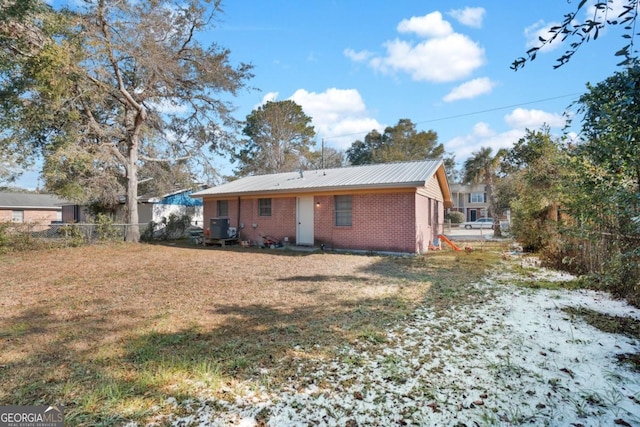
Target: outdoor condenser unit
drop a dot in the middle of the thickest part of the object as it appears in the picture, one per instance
(219, 228)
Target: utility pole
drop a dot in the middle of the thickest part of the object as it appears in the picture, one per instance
(322, 155)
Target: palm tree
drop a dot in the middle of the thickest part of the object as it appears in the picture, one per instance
(482, 166)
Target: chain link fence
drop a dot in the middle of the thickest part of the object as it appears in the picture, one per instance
(23, 236)
(87, 232)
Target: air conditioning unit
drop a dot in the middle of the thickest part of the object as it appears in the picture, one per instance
(219, 228)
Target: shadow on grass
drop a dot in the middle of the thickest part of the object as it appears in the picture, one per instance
(107, 365)
(107, 383)
(60, 362)
(283, 251)
(325, 278)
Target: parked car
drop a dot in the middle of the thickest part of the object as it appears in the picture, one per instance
(478, 223)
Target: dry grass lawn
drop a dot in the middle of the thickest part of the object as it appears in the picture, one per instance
(113, 331)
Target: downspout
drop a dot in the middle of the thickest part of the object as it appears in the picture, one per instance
(238, 223)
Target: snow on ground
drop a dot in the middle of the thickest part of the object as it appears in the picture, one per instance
(512, 358)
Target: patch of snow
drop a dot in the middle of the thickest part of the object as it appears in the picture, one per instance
(513, 358)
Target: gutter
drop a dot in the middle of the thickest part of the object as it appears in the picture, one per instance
(314, 190)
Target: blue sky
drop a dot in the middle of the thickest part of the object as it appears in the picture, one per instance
(357, 65)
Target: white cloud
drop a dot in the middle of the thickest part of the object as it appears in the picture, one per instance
(482, 135)
(442, 59)
(470, 89)
(442, 56)
(431, 25)
(361, 56)
(339, 115)
(469, 16)
(533, 119)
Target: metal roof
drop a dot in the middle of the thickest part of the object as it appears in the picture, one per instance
(386, 175)
(30, 201)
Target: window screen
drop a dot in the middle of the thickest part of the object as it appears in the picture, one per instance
(343, 206)
(264, 207)
(223, 208)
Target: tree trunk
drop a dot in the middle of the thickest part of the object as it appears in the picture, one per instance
(133, 230)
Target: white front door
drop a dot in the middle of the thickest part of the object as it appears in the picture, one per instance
(304, 218)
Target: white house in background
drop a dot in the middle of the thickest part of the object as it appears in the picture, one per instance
(155, 208)
(150, 208)
(471, 200)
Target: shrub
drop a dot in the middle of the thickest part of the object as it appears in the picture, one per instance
(622, 276)
(147, 234)
(18, 237)
(455, 217)
(173, 227)
(105, 228)
(4, 237)
(72, 235)
(176, 226)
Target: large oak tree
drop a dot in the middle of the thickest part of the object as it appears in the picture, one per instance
(117, 83)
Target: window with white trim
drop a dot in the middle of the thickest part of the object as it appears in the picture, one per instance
(17, 216)
(477, 198)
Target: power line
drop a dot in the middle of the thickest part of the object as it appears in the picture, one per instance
(498, 108)
(457, 116)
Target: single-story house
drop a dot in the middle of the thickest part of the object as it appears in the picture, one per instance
(392, 207)
(150, 208)
(38, 210)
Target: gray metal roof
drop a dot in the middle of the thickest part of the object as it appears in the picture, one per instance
(387, 175)
(30, 201)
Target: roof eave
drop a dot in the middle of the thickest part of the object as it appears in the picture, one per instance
(394, 185)
(443, 182)
(32, 207)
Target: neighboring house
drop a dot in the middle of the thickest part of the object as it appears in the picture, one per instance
(38, 210)
(155, 208)
(392, 207)
(150, 208)
(75, 214)
(471, 200)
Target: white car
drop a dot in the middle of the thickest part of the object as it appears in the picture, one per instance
(478, 223)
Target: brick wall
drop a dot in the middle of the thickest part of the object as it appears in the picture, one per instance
(281, 223)
(394, 222)
(41, 218)
(380, 222)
